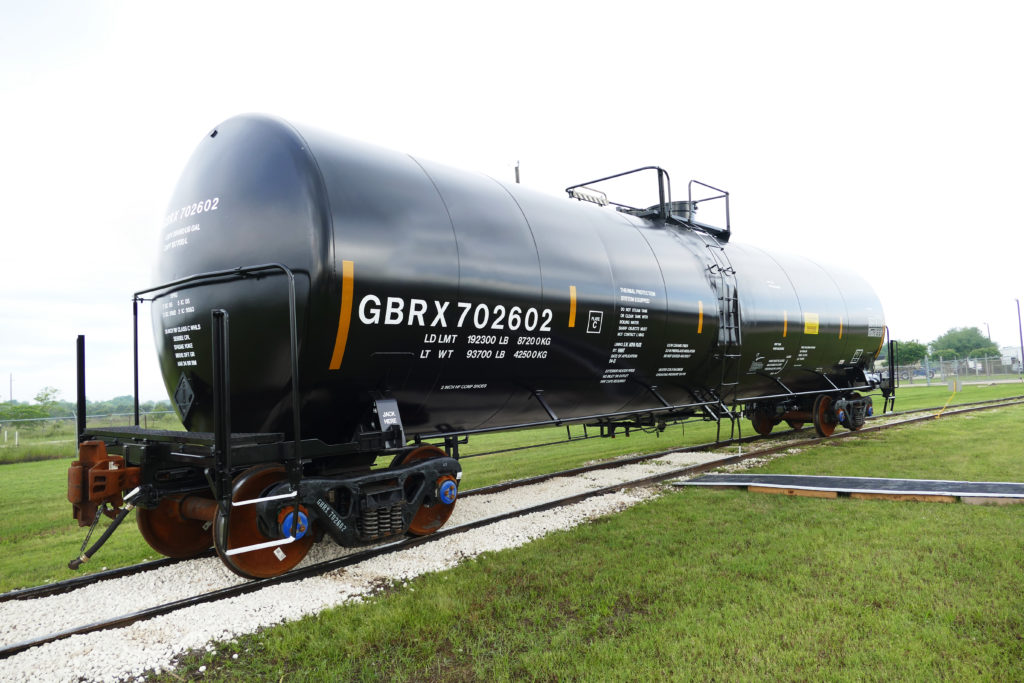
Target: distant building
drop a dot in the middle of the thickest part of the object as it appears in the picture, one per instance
(1011, 357)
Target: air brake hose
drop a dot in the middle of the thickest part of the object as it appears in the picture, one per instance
(79, 561)
(129, 506)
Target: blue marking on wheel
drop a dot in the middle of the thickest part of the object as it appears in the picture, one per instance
(286, 525)
(448, 491)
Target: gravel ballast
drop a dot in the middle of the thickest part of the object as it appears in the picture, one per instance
(125, 653)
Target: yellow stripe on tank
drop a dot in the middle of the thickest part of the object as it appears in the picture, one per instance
(345, 317)
(572, 305)
(700, 317)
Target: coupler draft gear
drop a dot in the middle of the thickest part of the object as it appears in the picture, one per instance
(97, 478)
(95, 483)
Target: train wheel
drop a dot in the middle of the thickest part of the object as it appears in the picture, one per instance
(824, 420)
(432, 516)
(170, 533)
(243, 529)
(795, 424)
(762, 422)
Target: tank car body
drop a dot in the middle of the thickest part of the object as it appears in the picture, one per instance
(464, 298)
(379, 303)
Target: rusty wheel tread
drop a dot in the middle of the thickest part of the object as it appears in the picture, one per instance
(762, 422)
(430, 517)
(824, 422)
(243, 529)
(170, 534)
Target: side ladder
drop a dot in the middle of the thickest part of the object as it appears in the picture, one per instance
(722, 276)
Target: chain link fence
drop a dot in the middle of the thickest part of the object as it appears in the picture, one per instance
(964, 369)
(52, 431)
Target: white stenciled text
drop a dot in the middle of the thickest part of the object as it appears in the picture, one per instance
(394, 310)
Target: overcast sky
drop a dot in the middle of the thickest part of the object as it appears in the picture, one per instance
(885, 136)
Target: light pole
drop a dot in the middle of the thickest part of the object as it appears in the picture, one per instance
(1020, 331)
(988, 330)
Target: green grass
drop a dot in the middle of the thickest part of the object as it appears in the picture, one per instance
(710, 585)
(972, 447)
(38, 535)
(491, 469)
(918, 395)
(55, 439)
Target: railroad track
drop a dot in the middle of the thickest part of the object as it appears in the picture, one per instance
(58, 587)
(788, 436)
(773, 444)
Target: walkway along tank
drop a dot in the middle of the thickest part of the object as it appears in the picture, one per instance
(323, 302)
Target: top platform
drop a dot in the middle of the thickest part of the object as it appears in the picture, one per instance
(170, 436)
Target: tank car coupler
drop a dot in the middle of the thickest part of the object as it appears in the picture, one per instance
(96, 479)
(96, 482)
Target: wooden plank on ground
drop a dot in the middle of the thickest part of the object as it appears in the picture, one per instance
(793, 492)
(921, 498)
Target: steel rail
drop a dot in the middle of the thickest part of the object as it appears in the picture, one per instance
(67, 585)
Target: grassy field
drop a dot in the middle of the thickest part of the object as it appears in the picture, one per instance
(711, 585)
(35, 548)
(55, 439)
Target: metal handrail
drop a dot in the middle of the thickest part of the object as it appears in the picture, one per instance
(239, 273)
(723, 195)
(664, 189)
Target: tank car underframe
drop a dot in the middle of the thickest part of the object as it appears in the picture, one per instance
(174, 484)
(258, 491)
(825, 409)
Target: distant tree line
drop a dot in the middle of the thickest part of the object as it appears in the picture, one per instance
(958, 342)
(47, 403)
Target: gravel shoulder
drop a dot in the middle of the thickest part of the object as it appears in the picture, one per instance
(122, 654)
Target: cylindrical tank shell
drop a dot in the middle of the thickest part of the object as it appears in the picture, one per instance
(475, 303)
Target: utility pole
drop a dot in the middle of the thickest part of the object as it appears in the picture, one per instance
(989, 331)
(1020, 331)
(517, 173)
